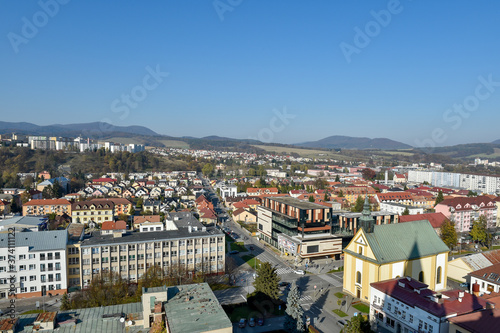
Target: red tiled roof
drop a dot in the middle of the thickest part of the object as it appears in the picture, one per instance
(103, 180)
(484, 273)
(479, 321)
(463, 201)
(450, 304)
(147, 218)
(436, 219)
(394, 196)
(116, 201)
(110, 225)
(38, 202)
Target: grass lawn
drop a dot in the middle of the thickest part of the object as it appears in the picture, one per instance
(340, 269)
(362, 307)
(229, 239)
(221, 286)
(339, 294)
(340, 313)
(251, 260)
(238, 247)
(32, 311)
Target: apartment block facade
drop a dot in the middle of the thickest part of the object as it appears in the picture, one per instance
(47, 206)
(37, 260)
(187, 250)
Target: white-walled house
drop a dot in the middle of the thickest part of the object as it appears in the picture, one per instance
(407, 305)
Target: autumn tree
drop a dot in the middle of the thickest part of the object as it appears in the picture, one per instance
(479, 231)
(449, 234)
(358, 324)
(368, 174)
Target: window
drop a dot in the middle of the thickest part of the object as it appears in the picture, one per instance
(438, 277)
(86, 251)
(360, 250)
(358, 277)
(57, 255)
(22, 256)
(123, 258)
(42, 256)
(95, 250)
(32, 267)
(22, 267)
(49, 256)
(42, 267)
(421, 276)
(86, 261)
(58, 266)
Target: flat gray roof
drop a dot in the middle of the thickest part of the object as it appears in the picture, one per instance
(38, 241)
(302, 204)
(137, 237)
(201, 313)
(90, 320)
(26, 220)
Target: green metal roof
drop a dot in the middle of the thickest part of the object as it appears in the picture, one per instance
(404, 241)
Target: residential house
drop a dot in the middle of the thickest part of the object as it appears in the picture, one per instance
(460, 268)
(487, 279)
(111, 227)
(148, 223)
(151, 205)
(244, 216)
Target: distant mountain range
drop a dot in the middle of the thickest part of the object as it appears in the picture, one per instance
(348, 142)
(72, 129)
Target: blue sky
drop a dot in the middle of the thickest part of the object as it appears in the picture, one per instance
(233, 65)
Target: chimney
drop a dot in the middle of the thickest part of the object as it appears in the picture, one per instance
(490, 306)
(475, 289)
(461, 294)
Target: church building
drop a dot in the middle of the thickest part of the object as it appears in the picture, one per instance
(382, 252)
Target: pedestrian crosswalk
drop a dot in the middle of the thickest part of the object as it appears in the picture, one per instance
(305, 299)
(284, 270)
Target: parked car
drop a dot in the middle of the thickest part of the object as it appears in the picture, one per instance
(251, 248)
(284, 284)
(260, 321)
(341, 323)
(242, 323)
(234, 252)
(464, 285)
(251, 322)
(300, 272)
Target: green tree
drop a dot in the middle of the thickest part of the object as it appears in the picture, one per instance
(251, 172)
(358, 206)
(439, 198)
(65, 302)
(471, 194)
(479, 231)
(341, 194)
(325, 198)
(449, 234)
(207, 169)
(337, 178)
(294, 314)
(267, 281)
(358, 324)
(406, 212)
(311, 198)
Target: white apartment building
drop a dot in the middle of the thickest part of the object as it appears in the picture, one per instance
(407, 305)
(39, 263)
(477, 183)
